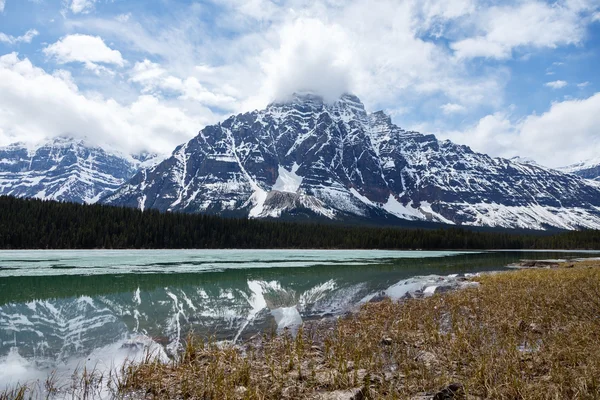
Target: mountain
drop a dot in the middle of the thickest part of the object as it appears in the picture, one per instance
(525, 160)
(308, 158)
(66, 169)
(589, 169)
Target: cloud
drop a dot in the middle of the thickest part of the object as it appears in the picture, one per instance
(556, 84)
(148, 74)
(311, 56)
(81, 6)
(155, 79)
(536, 24)
(35, 105)
(453, 108)
(26, 38)
(583, 84)
(565, 134)
(89, 50)
(314, 46)
(2, 4)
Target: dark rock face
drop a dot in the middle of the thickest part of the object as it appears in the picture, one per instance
(64, 169)
(338, 161)
(453, 391)
(592, 172)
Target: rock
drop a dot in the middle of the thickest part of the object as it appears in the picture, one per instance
(537, 264)
(531, 327)
(452, 391)
(240, 391)
(421, 396)
(388, 341)
(351, 394)
(162, 340)
(445, 288)
(535, 328)
(378, 298)
(426, 357)
(361, 373)
(323, 377)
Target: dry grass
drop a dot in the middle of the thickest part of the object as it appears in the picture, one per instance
(526, 334)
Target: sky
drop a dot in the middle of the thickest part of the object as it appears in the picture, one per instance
(512, 78)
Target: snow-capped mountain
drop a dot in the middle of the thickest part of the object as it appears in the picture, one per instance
(66, 169)
(525, 160)
(336, 160)
(589, 169)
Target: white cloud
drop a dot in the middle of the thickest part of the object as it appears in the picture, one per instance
(148, 74)
(453, 108)
(307, 45)
(533, 24)
(2, 4)
(556, 84)
(123, 17)
(26, 38)
(582, 84)
(89, 50)
(565, 134)
(155, 79)
(311, 57)
(81, 6)
(35, 105)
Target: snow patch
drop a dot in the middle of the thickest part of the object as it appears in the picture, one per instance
(288, 181)
(396, 208)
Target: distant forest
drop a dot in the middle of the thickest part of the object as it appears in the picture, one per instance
(37, 224)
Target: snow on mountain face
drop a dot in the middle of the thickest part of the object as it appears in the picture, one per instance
(307, 157)
(525, 160)
(65, 169)
(589, 169)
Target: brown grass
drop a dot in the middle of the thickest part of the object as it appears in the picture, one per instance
(526, 334)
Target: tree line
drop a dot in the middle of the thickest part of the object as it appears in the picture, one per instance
(38, 224)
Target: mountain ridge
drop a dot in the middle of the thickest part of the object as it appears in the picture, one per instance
(66, 169)
(588, 169)
(338, 161)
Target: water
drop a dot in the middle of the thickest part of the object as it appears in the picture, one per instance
(64, 309)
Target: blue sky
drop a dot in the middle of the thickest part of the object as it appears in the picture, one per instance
(516, 78)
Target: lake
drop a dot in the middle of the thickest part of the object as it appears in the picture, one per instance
(60, 310)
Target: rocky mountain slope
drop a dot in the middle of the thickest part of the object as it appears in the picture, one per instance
(589, 169)
(65, 169)
(307, 157)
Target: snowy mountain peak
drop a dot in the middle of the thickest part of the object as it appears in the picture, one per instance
(525, 161)
(588, 169)
(347, 107)
(380, 118)
(65, 169)
(306, 157)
